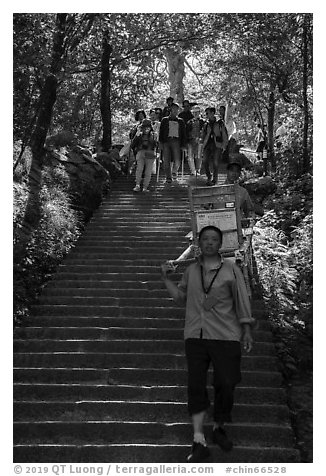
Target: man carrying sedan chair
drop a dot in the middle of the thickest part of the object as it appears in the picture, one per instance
(218, 317)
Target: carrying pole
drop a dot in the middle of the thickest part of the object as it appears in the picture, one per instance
(182, 162)
(158, 159)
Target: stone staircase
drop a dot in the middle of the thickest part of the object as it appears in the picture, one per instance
(99, 371)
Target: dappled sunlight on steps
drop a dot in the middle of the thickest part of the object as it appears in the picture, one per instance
(100, 370)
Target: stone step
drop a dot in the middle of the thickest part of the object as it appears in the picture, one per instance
(165, 412)
(141, 241)
(141, 219)
(150, 302)
(176, 236)
(117, 290)
(95, 344)
(77, 322)
(169, 393)
(125, 346)
(111, 311)
(104, 284)
(135, 249)
(82, 355)
(112, 284)
(107, 301)
(99, 328)
(130, 243)
(106, 292)
(127, 209)
(148, 453)
(122, 277)
(143, 227)
(100, 371)
(134, 333)
(120, 432)
(104, 268)
(130, 376)
(158, 258)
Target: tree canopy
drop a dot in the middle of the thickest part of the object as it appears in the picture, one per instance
(109, 65)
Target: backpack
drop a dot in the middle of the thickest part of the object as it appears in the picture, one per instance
(147, 140)
(144, 141)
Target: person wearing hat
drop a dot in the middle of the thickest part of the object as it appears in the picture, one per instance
(194, 129)
(233, 173)
(218, 319)
(167, 109)
(144, 143)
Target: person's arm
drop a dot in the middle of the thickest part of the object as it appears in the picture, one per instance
(175, 292)
(243, 307)
(247, 338)
(225, 138)
(182, 132)
(203, 132)
(132, 132)
(248, 206)
(135, 141)
(188, 130)
(161, 137)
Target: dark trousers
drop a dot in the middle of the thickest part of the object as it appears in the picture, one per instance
(225, 357)
(171, 153)
(212, 155)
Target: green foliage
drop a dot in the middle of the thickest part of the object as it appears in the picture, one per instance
(291, 202)
(302, 252)
(277, 272)
(58, 230)
(88, 197)
(285, 268)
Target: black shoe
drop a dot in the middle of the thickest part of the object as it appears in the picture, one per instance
(168, 180)
(220, 438)
(214, 182)
(209, 183)
(198, 453)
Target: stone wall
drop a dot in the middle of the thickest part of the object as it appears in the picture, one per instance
(89, 180)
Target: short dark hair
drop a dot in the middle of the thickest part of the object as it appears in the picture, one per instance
(140, 111)
(210, 109)
(211, 227)
(174, 104)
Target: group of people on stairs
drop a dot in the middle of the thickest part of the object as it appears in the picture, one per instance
(173, 133)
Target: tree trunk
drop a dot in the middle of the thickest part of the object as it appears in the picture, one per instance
(270, 126)
(176, 68)
(105, 100)
(305, 154)
(47, 100)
